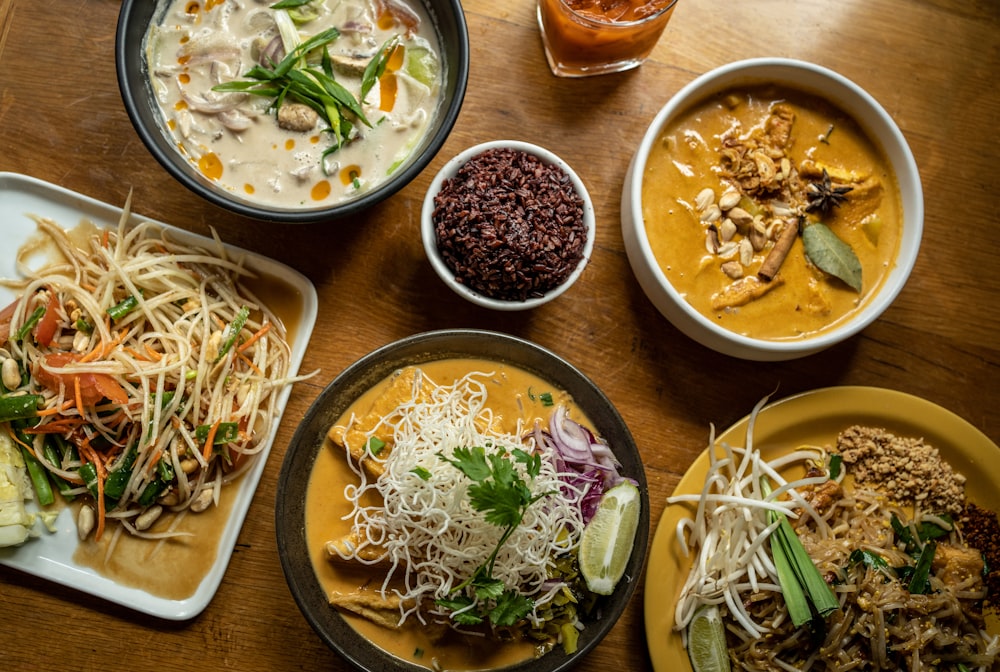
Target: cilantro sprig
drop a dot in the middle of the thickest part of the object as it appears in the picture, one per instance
(502, 495)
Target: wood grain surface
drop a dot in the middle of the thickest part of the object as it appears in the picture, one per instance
(931, 63)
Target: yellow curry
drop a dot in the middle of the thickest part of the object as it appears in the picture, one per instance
(771, 211)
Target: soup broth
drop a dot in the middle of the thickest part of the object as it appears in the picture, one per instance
(274, 148)
(515, 396)
(734, 171)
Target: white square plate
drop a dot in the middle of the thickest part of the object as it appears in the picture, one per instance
(50, 556)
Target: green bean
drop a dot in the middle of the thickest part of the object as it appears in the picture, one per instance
(52, 454)
(19, 406)
(39, 478)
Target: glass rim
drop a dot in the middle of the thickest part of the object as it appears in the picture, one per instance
(616, 24)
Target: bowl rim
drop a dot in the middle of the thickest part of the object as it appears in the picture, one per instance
(881, 128)
(352, 381)
(128, 66)
(448, 170)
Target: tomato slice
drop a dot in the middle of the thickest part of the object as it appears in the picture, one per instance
(93, 386)
(6, 315)
(45, 330)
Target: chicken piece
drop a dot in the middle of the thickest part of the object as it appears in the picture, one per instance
(955, 565)
(352, 545)
(743, 291)
(380, 610)
(355, 437)
(297, 117)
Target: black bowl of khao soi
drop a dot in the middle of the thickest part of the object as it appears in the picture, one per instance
(293, 110)
(462, 500)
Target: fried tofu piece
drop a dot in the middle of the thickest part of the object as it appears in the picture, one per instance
(955, 565)
(373, 606)
(355, 436)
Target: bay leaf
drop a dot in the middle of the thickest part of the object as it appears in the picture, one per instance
(832, 255)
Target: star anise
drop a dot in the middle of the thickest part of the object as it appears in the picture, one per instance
(824, 197)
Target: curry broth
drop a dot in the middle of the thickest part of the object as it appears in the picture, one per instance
(806, 302)
(513, 395)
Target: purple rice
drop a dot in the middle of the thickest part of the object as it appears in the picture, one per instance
(510, 225)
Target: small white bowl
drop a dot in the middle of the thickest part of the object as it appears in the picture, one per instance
(430, 238)
(873, 119)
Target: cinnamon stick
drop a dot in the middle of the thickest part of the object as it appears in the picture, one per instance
(776, 257)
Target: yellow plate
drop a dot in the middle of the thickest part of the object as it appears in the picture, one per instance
(812, 418)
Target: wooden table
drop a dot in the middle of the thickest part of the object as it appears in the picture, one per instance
(931, 63)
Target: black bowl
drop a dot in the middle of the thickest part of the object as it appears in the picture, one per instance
(134, 21)
(362, 375)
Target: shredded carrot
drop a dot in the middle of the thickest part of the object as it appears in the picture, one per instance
(206, 452)
(13, 437)
(239, 353)
(79, 396)
(87, 450)
(156, 458)
(105, 238)
(266, 327)
(135, 353)
(156, 356)
(56, 426)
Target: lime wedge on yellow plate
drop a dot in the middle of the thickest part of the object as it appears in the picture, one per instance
(706, 644)
(607, 541)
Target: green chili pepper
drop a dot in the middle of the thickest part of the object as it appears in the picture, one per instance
(19, 406)
(84, 326)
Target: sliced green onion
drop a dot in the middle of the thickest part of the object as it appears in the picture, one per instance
(30, 323)
(233, 331)
(375, 445)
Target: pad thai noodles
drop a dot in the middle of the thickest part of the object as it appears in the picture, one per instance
(140, 374)
(907, 591)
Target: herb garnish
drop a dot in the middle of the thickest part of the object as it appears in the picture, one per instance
(499, 492)
(294, 78)
(831, 255)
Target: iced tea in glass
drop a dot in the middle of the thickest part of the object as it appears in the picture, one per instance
(594, 37)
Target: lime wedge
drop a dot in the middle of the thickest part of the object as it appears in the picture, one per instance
(606, 543)
(706, 641)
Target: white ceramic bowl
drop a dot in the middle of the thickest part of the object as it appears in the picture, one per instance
(430, 238)
(873, 119)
